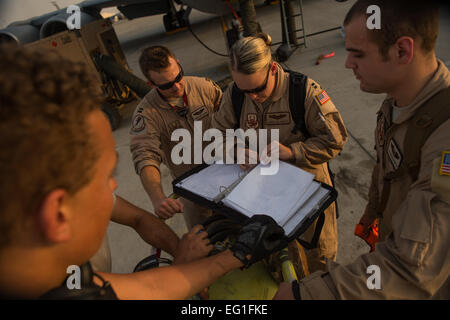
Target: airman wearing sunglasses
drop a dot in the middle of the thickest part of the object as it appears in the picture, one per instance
(266, 106)
(175, 103)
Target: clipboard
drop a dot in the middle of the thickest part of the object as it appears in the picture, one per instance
(218, 205)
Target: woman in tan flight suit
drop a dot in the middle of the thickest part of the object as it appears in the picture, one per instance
(266, 106)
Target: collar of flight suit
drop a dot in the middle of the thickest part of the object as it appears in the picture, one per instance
(439, 81)
(154, 98)
(281, 85)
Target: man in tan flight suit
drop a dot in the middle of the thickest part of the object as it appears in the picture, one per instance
(269, 109)
(410, 189)
(175, 103)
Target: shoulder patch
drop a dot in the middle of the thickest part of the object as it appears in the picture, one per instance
(440, 184)
(444, 168)
(322, 97)
(137, 124)
(322, 101)
(252, 121)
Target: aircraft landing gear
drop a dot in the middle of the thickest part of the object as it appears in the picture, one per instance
(174, 19)
(172, 22)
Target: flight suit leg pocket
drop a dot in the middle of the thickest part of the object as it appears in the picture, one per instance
(414, 222)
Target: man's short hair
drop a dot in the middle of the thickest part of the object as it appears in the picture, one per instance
(417, 19)
(154, 58)
(45, 141)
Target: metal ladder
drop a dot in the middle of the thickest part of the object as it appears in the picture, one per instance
(293, 28)
(289, 18)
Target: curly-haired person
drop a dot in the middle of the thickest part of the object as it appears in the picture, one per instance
(57, 158)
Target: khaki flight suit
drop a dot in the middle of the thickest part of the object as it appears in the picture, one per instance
(152, 126)
(328, 136)
(413, 254)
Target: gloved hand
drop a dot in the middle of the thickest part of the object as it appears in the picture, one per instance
(259, 237)
(221, 232)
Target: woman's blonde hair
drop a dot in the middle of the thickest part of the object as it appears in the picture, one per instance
(251, 54)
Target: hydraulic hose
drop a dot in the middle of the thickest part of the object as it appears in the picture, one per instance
(113, 69)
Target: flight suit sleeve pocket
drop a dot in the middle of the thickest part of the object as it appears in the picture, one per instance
(414, 222)
(327, 108)
(440, 184)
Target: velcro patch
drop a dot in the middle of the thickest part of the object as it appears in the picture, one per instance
(200, 113)
(394, 154)
(440, 184)
(138, 124)
(444, 168)
(322, 97)
(252, 121)
(277, 118)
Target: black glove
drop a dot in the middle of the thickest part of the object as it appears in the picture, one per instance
(221, 232)
(259, 237)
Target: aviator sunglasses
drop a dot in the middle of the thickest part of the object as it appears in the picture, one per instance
(168, 85)
(261, 87)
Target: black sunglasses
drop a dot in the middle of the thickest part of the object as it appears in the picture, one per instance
(168, 85)
(262, 87)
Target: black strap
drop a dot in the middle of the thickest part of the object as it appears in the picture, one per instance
(297, 95)
(316, 235)
(296, 290)
(332, 177)
(88, 291)
(318, 231)
(237, 99)
(430, 116)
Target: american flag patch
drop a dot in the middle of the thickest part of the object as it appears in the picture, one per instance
(322, 97)
(445, 163)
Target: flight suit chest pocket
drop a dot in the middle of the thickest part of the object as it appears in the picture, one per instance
(277, 118)
(169, 139)
(174, 125)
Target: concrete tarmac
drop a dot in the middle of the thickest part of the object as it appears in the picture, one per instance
(353, 167)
